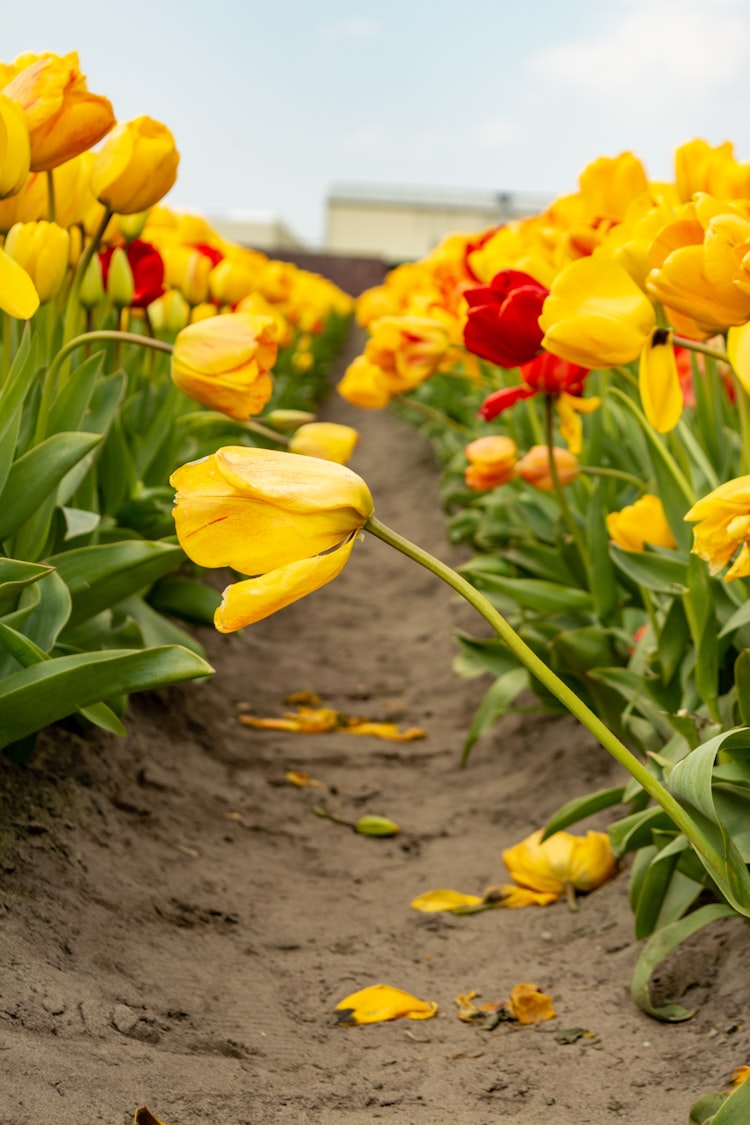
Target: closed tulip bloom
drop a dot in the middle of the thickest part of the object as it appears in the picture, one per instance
(492, 460)
(224, 362)
(64, 118)
(188, 269)
(534, 467)
(659, 382)
(18, 296)
(15, 150)
(43, 250)
(503, 318)
(289, 520)
(596, 315)
(328, 440)
(146, 268)
(722, 528)
(135, 167)
(231, 280)
(640, 523)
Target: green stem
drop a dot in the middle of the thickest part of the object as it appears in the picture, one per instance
(72, 310)
(616, 474)
(696, 346)
(567, 515)
(51, 210)
(539, 670)
(51, 379)
(434, 415)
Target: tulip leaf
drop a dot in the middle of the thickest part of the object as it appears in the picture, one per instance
(735, 1110)
(704, 1110)
(480, 655)
(660, 573)
(635, 831)
(659, 946)
(33, 478)
(12, 399)
(603, 578)
(187, 599)
(70, 405)
(102, 575)
(43, 693)
(495, 703)
(581, 807)
(15, 575)
(105, 400)
(535, 594)
(742, 683)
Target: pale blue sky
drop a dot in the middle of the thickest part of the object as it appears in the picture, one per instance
(271, 103)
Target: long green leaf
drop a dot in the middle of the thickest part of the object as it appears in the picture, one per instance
(34, 697)
(736, 1109)
(15, 574)
(581, 807)
(659, 946)
(660, 573)
(33, 478)
(495, 703)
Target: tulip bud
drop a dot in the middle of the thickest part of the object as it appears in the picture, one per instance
(135, 167)
(169, 313)
(534, 468)
(132, 226)
(288, 419)
(327, 440)
(120, 284)
(376, 826)
(92, 286)
(43, 249)
(224, 362)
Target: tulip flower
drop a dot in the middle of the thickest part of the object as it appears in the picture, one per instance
(534, 467)
(659, 382)
(640, 523)
(562, 860)
(407, 348)
(365, 385)
(135, 167)
(596, 315)
(147, 269)
(43, 250)
(18, 296)
(329, 440)
(722, 520)
(503, 318)
(224, 362)
(15, 150)
(64, 119)
(288, 519)
(492, 460)
(546, 374)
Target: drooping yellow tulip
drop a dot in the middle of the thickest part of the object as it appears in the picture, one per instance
(289, 519)
(596, 315)
(64, 118)
(562, 860)
(640, 523)
(224, 362)
(659, 382)
(381, 1002)
(329, 440)
(722, 528)
(136, 166)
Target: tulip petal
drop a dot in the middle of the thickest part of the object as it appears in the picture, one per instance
(528, 1005)
(18, 297)
(434, 902)
(381, 1002)
(659, 382)
(244, 603)
(738, 350)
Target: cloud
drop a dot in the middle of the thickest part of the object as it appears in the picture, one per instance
(368, 138)
(493, 134)
(655, 53)
(358, 27)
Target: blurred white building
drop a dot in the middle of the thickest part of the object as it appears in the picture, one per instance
(261, 230)
(402, 224)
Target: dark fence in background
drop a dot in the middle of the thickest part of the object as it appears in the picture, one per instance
(353, 275)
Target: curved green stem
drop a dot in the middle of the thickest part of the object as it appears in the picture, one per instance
(615, 474)
(567, 515)
(434, 415)
(51, 379)
(696, 346)
(528, 658)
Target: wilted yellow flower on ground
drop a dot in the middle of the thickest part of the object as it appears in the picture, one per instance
(528, 1005)
(640, 523)
(492, 460)
(722, 520)
(381, 1002)
(582, 862)
(596, 315)
(320, 720)
(64, 119)
(224, 362)
(288, 519)
(136, 166)
(534, 467)
(329, 440)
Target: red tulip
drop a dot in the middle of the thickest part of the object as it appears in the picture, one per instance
(147, 267)
(547, 374)
(503, 319)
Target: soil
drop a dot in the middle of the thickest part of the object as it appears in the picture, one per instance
(177, 926)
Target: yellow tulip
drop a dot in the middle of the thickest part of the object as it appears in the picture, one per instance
(659, 382)
(701, 167)
(582, 862)
(381, 1002)
(64, 119)
(738, 350)
(365, 385)
(187, 269)
(610, 184)
(329, 440)
(15, 149)
(43, 250)
(722, 520)
(288, 519)
(596, 315)
(640, 523)
(136, 166)
(18, 296)
(224, 362)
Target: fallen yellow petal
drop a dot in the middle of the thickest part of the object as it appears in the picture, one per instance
(387, 731)
(302, 780)
(381, 1002)
(528, 1005)
(512, 897)
(144, 1116)
(314, 720)
(432, 902)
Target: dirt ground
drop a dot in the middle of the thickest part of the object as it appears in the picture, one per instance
(177, 927)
